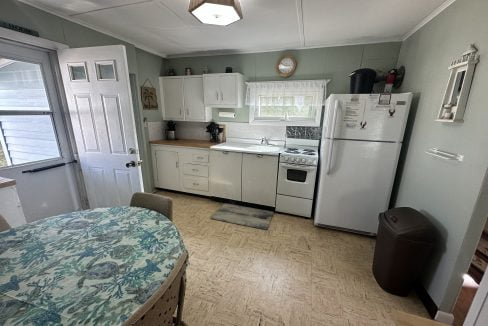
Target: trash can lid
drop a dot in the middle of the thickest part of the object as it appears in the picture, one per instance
(408, 223)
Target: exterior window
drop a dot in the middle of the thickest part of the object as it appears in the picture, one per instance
(27, 131)
(290, 102)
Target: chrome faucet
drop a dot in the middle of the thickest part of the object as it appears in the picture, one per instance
(265, 141)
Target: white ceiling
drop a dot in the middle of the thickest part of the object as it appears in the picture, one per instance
(165, 27)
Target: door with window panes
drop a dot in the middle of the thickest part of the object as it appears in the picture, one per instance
(34, 146)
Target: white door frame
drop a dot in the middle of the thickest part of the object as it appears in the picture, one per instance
(52, 47)
(478, 312)
(61, 123)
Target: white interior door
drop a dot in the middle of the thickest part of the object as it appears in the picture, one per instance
(355, 183)
(96, 81)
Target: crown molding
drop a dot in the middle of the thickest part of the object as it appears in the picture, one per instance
(97, 29)
(320, 46)
(427, 19)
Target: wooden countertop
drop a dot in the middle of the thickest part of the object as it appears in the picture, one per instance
(184, 143)
(404, 319)
(4, 182)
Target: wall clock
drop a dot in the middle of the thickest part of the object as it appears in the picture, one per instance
(286, 66)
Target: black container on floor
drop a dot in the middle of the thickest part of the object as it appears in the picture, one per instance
(404, 243)
(362, 81)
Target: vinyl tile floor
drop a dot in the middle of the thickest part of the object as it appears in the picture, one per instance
(292, 274)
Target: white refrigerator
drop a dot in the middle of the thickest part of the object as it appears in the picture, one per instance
(361, 140)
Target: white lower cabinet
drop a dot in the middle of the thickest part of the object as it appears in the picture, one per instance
(259, 175)
(250, 178)
(166, 169)
(181, 169)
(11, 208)
(225, 174)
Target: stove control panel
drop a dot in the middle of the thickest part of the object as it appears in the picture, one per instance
(299, 160)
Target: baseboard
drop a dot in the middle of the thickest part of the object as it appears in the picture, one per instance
(444, 317)
(429, 304)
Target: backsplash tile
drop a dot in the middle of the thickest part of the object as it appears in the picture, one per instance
(301, 132)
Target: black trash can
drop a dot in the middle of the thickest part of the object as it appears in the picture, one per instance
(404, 243)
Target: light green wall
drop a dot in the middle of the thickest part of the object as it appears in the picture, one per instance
(447, 192)
(334, 63)
(149, 68)
(54, 28)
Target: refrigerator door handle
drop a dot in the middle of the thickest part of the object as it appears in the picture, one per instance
(335, 113)
(330, 149)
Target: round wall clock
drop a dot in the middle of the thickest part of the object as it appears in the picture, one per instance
(286, 66)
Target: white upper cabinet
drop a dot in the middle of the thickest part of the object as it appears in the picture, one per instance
(193, 99)
(183, 99)
(223, 90)
(172, 92)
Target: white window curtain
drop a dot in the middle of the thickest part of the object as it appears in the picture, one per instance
(297, 102)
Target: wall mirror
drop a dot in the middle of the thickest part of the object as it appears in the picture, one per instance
(457, 90)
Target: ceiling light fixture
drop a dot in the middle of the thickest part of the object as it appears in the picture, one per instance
(216, 12)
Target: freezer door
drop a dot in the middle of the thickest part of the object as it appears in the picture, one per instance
(385, 120)
(343, 115)
(355, 183)
(364, 117)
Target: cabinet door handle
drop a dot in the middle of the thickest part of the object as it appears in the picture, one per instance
(217, 95)
(194, 170)
(259, 155)
(177, 165)
(196, 184)
(225, 152)
(221, 95)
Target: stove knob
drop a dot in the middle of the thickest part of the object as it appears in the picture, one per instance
(292, 159)
(304, 160)
(285, 158)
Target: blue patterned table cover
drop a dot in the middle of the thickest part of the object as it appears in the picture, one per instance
(84, 268)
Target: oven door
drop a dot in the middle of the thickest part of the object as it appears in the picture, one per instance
(296, 180)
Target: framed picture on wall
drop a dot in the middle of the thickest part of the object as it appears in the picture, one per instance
(149, 97)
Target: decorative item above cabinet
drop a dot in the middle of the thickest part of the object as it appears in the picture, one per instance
(223, 90)
(183, 99)
(457, 91)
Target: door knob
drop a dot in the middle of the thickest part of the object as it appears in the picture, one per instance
(133, 164)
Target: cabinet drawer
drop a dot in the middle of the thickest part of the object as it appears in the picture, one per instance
(196, 170)
(195, 183)
(200, 158)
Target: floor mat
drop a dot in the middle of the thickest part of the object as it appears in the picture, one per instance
(247, 216)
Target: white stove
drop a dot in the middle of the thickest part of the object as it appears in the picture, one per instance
(296, 178)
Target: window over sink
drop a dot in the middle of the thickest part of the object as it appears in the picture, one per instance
(298, 102)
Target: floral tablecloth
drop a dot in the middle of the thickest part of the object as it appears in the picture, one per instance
(84, 268)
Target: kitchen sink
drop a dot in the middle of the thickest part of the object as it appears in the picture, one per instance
(248, 148)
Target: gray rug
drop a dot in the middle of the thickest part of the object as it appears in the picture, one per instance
(247, 216)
